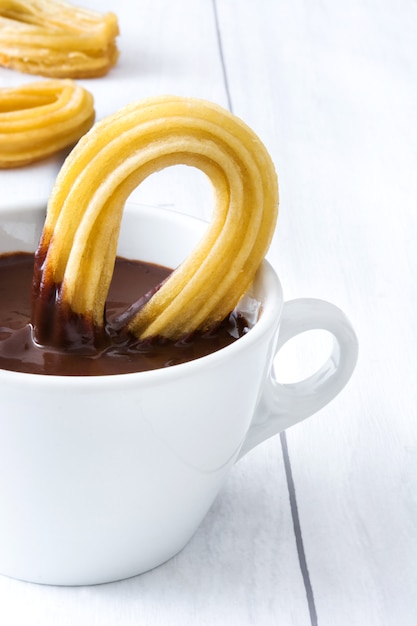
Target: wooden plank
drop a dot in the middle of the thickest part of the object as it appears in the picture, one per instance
(331, 89)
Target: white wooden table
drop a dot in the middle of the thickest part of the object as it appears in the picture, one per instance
(317, 526)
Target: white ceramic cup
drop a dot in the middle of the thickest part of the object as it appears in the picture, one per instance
(102, 478)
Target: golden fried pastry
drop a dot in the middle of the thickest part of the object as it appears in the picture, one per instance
(78, 246)
(40, 118)
(56, 39)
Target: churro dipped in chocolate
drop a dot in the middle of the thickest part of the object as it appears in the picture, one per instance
(57, 39)
(76, 254)
(41, 118)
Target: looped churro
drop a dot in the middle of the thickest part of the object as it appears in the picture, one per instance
(78, 246)
(41, 118)
(56, 39)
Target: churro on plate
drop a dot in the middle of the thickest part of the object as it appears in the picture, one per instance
(41, 118)
(57, 39)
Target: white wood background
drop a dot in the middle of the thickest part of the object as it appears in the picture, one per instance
(317, 526)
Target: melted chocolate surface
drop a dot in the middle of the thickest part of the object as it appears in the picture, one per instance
(120, 353)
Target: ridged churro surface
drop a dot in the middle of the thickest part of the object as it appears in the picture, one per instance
(41, 118)
(78, 246)
(57, 39)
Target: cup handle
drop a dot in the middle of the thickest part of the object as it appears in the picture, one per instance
(283, 405)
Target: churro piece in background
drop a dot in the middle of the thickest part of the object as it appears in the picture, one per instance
(41, 118)
(57, 39)
(76, 254)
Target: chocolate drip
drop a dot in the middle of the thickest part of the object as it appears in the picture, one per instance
(53, 322)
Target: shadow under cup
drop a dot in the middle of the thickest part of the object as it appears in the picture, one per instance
(102, 478)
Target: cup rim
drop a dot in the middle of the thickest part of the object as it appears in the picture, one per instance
(269, 318)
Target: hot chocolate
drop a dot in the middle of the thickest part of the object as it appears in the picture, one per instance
(118, 353)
